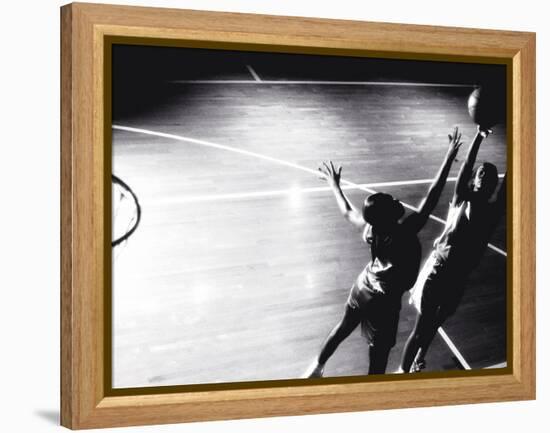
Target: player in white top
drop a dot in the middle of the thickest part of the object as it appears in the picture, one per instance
(457, 251)
(375, 298)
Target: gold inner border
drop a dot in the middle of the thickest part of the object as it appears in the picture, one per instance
(109, 41)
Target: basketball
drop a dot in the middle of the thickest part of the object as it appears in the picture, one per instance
(487, 106)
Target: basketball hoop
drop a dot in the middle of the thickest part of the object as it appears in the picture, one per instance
(126, 211)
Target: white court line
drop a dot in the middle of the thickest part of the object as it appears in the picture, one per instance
(272, 193)
(239, 195)
(453, 348)
(254, 74)
(321, 83)
(216, 146)
(279, 192)
(346, 184)
(499, 365)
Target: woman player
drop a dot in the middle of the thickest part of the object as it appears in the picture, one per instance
(375, 297)
(457, 251)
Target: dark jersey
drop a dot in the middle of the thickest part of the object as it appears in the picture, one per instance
(395, 259)
(466, 234)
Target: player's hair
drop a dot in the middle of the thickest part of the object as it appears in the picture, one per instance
(382, 208)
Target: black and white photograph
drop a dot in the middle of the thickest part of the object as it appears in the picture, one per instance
(295, 216)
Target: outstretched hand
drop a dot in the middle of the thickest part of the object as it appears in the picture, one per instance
(454, 142)
(330, 174)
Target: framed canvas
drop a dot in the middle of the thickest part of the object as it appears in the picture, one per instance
(207, 160)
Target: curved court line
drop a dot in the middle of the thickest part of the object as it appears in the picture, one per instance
(348, 184)
(215, 146)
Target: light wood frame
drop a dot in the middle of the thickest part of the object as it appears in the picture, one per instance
(85, 402)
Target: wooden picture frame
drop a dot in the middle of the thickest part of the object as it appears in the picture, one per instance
(87, 30)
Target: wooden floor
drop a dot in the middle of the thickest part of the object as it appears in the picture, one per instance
(240, 267)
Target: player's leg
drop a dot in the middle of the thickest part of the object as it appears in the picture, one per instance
(378, 358)
(380, 329)
(448, 306)
(427, 323)
(420, 338)
(447, 309)
(424, 342)
(346, 325)
(340, 332)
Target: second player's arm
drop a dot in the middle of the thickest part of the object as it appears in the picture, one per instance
(465, 173)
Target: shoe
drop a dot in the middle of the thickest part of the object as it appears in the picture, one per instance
(314, 370)
(418, 365)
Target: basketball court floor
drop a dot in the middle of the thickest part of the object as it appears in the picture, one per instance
(242, 263)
